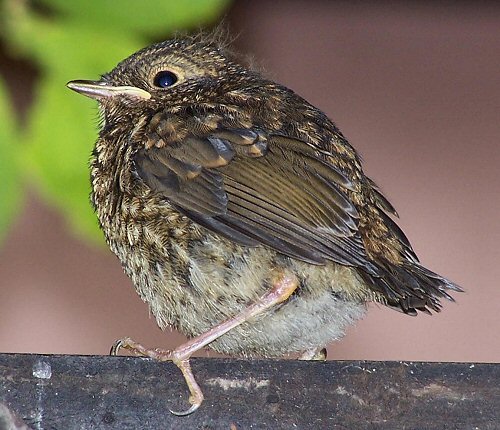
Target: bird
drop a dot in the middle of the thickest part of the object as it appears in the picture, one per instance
(240, 212)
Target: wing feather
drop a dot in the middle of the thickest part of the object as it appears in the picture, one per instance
(259, 188)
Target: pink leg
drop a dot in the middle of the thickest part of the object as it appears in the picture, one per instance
(283, 287)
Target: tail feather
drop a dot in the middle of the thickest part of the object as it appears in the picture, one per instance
(410, 287)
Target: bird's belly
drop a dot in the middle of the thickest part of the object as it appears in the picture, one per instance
(193, 289)
(299, 325)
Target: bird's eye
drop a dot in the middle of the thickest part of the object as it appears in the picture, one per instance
(165, 79)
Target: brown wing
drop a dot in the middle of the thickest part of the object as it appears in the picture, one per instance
(255, 188)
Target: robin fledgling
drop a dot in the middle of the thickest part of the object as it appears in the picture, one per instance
(240, 211)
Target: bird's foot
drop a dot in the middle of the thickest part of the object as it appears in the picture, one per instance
(179, 356)
(314, 354)
(284, 284)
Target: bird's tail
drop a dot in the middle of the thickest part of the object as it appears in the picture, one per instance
(410, 287)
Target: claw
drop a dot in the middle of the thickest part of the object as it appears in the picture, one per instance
(187, 412)
(196, 395)
(314, 354)
(179, 357)
(115, 348)
(284, 284)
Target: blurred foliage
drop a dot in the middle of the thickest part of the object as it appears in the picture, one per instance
(69, 39)
(9, 165)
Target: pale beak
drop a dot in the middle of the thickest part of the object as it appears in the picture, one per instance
(101, 90)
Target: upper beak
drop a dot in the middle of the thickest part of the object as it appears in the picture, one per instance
(101, 90)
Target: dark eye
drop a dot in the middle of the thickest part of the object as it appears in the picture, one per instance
(165, 79)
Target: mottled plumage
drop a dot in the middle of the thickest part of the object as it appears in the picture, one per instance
(209, 179)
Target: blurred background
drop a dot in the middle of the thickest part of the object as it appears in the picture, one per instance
(414, 86)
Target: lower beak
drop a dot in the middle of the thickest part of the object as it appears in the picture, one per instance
(101, 90)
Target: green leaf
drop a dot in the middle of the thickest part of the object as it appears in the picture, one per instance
(80, 40)
(59, 47)
(62, 131)
(11, 189)
(63, 125)
(147, 17)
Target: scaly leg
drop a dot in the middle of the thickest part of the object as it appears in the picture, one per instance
(284, 285)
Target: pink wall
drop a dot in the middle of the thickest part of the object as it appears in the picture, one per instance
(416, 89)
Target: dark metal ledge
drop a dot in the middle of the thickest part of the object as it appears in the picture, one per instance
(52, 392)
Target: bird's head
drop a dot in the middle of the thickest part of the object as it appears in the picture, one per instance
(172, 73)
